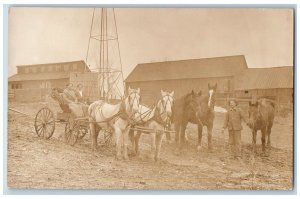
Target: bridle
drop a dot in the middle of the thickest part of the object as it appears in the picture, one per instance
(133, 99)
(162, 110)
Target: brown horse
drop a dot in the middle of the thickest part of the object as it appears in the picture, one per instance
(261, 117)
(185, 111)
(196, 109)
(206, 115)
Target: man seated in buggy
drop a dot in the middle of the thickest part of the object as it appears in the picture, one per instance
(68, 100)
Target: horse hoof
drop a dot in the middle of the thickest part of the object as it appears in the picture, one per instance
(118, 157)
(133, 153)
(126, 158)
(94, 149)
(199, 148)
(177, 152)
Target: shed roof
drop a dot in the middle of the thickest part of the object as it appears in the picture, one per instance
(264, 78)
(188, 69)
(38, 76)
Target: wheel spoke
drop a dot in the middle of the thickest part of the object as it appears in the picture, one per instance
(48, 114)
(43, 113)
(39, 120)
(49, 122)
(43, 132)
(39, 130)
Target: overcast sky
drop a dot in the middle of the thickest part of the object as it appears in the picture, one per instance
(46, 35)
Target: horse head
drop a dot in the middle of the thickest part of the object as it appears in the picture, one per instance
(165, 104)
(133, 100)
(212, 96)
(192, 102)
(254, 114)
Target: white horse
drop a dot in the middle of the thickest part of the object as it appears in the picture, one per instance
(103, 115)
(157, 119)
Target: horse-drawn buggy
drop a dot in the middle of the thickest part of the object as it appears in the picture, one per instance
(73, 116)
(127, 119)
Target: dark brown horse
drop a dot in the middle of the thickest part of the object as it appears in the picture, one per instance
(206, 115)
(261, 117)
(196, 109)
(184, 111)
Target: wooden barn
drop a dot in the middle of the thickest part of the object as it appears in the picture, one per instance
(33, 82)
(274, 83)
(185, 75)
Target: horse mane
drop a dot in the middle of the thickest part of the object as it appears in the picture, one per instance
(265, 101)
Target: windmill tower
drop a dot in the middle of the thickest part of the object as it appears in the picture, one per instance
(103, 54)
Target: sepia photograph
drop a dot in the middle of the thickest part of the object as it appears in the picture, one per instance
(112, 98)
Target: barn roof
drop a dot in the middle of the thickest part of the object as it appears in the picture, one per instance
(55, 63)
(187, 69)
(264, 78)
(38, 76)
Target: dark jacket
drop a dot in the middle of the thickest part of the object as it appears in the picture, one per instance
(233, 119)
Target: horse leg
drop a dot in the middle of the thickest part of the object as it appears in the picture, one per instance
(168, 135)
(132, 140)
(254, 134)
(200, 128)
(177, 133)
(125, 138)
(158, 139)
(118, 133)
(177, 138)
(182, 140)
(209, 137)
(153, 145)
(93, 136)
(263, 140)
(136, 141)
(269, 136)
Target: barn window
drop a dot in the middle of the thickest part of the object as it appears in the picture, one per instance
(74, 67)
(58, 67)
(49, 69)
(26, 70)
(48, 84)
(246, 92)
(12, 86)
(66, 67)
(33, 69)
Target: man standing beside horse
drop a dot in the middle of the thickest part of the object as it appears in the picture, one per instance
(233, 121)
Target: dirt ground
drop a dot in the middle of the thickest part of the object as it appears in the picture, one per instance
(37, 163)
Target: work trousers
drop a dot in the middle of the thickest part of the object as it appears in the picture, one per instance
(235, 143)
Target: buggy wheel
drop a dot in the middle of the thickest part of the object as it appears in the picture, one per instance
(72, 129)
(44, 123)
(108, 137)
